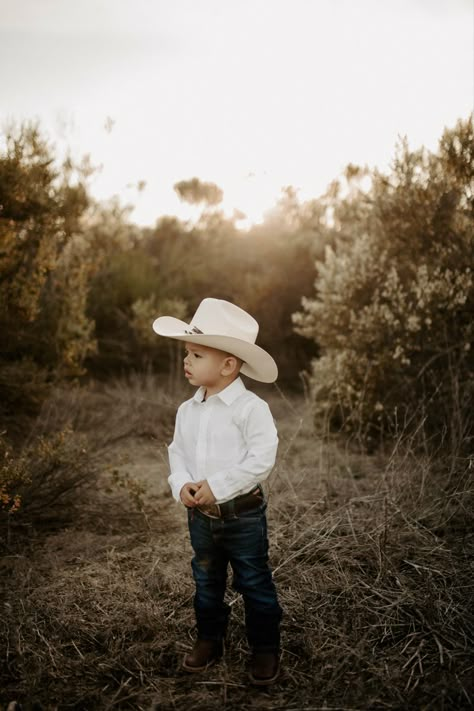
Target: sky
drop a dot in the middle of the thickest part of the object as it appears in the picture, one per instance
(253, 95)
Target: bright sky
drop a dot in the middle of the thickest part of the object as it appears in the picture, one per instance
(251, 94)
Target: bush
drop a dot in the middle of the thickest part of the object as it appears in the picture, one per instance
(42, 486)
(393, 306)
(43, 266)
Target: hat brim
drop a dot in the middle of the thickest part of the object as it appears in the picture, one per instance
(258, 364)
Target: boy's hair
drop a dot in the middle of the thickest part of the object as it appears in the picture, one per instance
(226, 354)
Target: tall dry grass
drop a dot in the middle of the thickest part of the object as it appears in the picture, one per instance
(372, 556)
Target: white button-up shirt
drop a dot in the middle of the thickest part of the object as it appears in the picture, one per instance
(230, 439)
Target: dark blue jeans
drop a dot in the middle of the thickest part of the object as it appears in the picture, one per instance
(241, 541)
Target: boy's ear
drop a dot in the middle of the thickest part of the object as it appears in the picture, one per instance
(231, 365)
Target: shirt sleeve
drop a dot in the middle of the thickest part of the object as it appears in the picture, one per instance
(176, 454)
(261, 441)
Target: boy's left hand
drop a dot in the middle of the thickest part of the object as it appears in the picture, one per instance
(204, 494)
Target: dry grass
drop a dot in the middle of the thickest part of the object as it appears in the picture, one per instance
(137, 405)
(372, 557)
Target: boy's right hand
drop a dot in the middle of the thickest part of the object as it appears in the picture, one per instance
(187, 494)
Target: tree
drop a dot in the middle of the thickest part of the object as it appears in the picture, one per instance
(196, 192)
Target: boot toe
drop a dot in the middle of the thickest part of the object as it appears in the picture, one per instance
(204, 653)
(264, 668)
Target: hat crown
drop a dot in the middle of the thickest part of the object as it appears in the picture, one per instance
(219, 317)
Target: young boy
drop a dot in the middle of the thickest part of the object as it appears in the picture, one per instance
(224, 446)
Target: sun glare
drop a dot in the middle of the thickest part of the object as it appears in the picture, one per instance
(153, 101)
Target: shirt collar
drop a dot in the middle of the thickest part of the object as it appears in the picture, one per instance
(227, 395)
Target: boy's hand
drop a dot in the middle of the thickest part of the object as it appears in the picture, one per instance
(203, 494)
(187, 493)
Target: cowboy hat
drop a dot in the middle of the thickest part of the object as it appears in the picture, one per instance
(225, 326)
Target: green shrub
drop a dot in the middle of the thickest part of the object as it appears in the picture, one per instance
(43, 266)
(394, 301)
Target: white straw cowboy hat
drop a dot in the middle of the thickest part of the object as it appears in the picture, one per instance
(220, 324)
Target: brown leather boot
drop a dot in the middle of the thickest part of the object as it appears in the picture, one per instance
(264, 668)
(204, 653)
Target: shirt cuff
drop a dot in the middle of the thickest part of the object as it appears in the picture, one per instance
(176, 482)
(223, 486)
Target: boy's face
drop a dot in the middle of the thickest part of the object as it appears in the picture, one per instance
(204, 365)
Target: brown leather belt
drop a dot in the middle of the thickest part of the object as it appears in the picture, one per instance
(236, 506)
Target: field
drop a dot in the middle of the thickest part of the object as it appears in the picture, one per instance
(372, 557)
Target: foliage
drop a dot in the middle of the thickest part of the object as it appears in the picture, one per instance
(81, 284)
(195, 191)
(125, 278)
(43, 266)
(24, 386)
(395, 296)
(170, 268)
(12, 476)
(164, 354)
(41, 485)
(264, 270)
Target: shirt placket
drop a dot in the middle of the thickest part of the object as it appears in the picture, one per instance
(202, 440)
